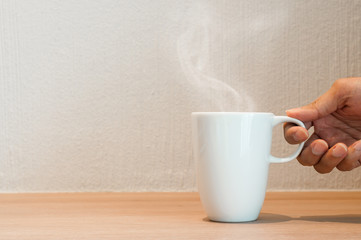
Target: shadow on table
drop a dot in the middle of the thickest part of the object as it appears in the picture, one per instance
(265, 218)
(346, 218)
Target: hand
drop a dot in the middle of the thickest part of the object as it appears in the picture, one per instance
(336, 118)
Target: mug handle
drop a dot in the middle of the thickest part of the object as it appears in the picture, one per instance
(281, 119)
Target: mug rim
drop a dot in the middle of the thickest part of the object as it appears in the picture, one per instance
(232, 113)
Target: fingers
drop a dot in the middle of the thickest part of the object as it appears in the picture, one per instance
(324, 160)
(352, 160)
(294, 134)
(331, 158)
(313, 151)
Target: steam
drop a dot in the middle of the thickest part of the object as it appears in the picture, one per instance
(194, 52)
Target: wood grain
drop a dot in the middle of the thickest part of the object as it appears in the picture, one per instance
(285, 215)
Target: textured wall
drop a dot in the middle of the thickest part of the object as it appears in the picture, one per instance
(97, 95)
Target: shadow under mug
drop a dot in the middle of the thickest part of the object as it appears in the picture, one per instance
(232, 151)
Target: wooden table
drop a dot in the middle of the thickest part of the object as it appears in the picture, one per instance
(286, 215)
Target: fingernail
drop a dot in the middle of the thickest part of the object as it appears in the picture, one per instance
(300, 135)
(357, 147)
(319, 148)
(296, 137)
(339, 150)
(291, 110)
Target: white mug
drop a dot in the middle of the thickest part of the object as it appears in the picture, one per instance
(232, 151)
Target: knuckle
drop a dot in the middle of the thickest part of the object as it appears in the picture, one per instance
(340, 82)
(340, 87)
(315, 105)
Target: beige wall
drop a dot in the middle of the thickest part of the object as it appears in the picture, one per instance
(97, 95)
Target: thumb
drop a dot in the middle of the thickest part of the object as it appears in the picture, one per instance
(321, 107)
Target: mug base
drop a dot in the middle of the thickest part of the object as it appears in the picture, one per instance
(242, 220)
